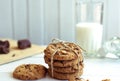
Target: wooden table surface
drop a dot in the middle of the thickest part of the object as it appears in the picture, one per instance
(15, 53)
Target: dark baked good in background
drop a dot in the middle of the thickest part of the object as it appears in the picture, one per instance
(23, 44)
(4, 50)
(4, 47)
(30, 72)
(5, 43)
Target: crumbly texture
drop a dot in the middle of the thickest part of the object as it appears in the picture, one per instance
(64, 51)
(64, 76)
(30, 72)
(71, 69)
(63, 63)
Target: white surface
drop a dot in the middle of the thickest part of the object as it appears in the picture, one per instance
(95, 69)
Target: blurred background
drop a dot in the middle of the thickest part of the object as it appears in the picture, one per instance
(42, 20)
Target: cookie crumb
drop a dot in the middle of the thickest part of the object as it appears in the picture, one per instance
(13, 55)
(106, 80)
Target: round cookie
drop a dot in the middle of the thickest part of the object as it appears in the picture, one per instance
(64, 76)
(30, 72)
(63, 51)
(63, 63)
(71, 69)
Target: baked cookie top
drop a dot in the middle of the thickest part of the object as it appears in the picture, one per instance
(63, 51)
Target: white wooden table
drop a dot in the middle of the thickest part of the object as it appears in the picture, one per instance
(95, 69)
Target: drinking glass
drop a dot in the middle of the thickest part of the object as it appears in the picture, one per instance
(89, 27)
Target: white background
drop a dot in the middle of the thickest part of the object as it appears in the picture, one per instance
(42, 20)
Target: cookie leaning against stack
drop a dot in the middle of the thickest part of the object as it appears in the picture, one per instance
(64, 59)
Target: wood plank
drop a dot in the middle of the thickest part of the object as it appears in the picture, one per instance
(105, 21)
(20, 19)
(16, 54)
(5, 19)
(112, 19)
(36, 28)
(51, 21)
(67, 20)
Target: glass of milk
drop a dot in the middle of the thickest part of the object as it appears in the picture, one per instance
(89, 37)
(89, 27)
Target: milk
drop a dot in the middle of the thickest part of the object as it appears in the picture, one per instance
(89, 36)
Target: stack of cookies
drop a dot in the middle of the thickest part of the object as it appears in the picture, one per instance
(64, 59)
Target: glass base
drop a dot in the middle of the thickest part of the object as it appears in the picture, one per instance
(90, 55)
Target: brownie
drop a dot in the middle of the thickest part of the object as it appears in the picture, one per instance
(4, 50)
(4, 47)
(5, 43)
(24, 43)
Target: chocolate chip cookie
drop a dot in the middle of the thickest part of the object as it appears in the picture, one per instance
(64, 59)
(63, 51)
(30, 72)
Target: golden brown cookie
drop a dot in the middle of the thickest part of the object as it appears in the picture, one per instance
(106, 80)
(64, 76)
(63, 63)
(71, 69)
(63, 51)
(64, 59)
(76, 79)
(30, 72)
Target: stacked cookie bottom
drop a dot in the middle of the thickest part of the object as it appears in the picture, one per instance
(64, 69)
